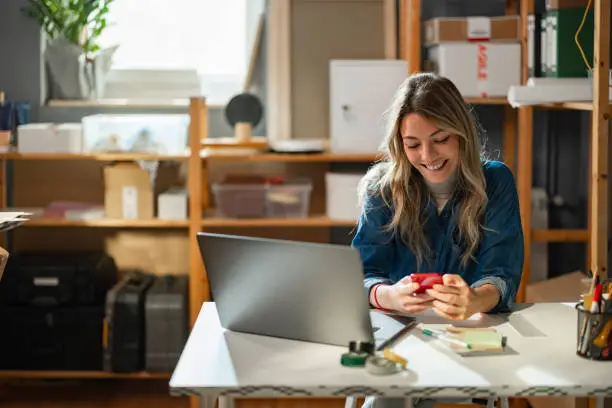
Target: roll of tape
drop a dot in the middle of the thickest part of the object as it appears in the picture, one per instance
(353, 359)
(379, 365)
(396, 358)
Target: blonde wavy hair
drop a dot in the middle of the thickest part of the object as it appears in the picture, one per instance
(402, 187)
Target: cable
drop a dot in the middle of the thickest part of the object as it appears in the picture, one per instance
(586, 13)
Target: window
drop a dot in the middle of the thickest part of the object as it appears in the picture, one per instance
(180, 48)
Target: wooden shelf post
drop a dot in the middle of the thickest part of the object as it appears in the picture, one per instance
(410, 34)
(198, 283)
(525, 156)
(598, 214)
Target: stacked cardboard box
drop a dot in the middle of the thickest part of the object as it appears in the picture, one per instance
(481, 55)
(128, 192)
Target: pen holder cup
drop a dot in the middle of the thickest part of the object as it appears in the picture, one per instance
(594, 337)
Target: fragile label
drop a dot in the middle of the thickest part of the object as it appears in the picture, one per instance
(482, 70)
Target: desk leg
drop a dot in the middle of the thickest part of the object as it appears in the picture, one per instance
(599, 402)
(207, 401)
(350, 402)
(408, 402)
(226, 402)
(504, 402)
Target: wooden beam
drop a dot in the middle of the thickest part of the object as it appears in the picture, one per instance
(410, 34)
(578, 235)
(599, 141)
(509, 135)
(278, 34)
(524, 184)
(390, 28)
(198, 284)
(525, 158)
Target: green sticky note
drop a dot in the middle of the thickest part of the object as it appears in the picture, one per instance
(484, 339)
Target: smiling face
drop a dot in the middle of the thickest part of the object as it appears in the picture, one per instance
(432, 151)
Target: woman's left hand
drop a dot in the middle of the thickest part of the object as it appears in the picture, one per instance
(454, 299)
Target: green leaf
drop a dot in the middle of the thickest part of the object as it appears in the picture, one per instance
(69, 19)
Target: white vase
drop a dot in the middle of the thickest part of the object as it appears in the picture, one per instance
(71, 75)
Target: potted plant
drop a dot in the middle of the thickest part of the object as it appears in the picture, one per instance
(77, 65)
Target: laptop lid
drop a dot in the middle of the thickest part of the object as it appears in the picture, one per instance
(295, 290)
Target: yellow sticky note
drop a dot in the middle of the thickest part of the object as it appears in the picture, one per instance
(483, 339)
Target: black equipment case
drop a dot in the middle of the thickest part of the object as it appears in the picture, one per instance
(124, 346)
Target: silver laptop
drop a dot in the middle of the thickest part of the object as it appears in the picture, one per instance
(294, 290)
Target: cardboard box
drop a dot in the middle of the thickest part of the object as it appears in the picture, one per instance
(449, 29)
(128, 193)
(565, 4)
(478, 69)
(564, 288)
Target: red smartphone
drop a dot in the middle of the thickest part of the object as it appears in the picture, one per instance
(426, 280)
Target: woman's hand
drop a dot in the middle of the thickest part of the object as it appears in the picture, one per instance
(455, 300)
(401, 297)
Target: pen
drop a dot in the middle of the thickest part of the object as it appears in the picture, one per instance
(445, 337)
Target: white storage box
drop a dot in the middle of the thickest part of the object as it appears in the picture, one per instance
(360, 92)
(478, 69)
(158, 134)
(69, 138)
(342, 199)
(172, 204)
(50, 138)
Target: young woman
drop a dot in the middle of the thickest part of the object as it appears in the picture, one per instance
(435, 206)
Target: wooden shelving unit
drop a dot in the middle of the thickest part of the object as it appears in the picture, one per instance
(521, 119)
(106, 223)
(596, 235)
(115, 224)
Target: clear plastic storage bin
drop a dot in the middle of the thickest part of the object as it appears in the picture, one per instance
(240, 200)
(289, 199)
(144, 133)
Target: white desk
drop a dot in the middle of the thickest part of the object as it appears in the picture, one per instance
(540, 360)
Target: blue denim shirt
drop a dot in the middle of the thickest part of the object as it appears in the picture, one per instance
(499, 257)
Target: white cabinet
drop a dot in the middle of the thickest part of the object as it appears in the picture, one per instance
(360, 93)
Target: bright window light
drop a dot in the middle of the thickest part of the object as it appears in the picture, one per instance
(185, 43)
